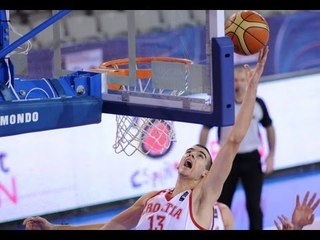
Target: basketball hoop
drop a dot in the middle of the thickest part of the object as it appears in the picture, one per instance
(151, 137)
(112, 67)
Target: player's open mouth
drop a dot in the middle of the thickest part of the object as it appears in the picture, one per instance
(188, 164)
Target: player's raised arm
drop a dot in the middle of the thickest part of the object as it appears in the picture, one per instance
(223, 162)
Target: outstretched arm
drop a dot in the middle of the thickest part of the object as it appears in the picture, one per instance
(286, 224)
(40, 223)
(125, 220)
(303, 213)
(221, 167)
(130, 217)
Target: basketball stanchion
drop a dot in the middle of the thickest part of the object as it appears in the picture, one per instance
(151, 137)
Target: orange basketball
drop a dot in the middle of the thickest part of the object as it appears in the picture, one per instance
(248, 30)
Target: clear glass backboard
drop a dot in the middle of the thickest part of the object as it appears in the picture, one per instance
(178, 66)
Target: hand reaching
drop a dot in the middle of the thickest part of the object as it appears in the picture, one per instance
(285, 223)
(256, 72)
(37, 223)
(303, 213)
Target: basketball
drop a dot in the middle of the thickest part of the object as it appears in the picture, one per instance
(248, 30)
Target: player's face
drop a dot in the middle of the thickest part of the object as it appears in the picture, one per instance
(194, 162)
(240, 83)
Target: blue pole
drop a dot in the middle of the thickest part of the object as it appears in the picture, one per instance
(33, 32)
(5, 64)
(4, 30)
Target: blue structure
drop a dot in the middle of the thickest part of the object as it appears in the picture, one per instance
(43, 104)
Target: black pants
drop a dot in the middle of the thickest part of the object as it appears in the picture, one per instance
(247, 168)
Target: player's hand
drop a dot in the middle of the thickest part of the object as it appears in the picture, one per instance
(269, 165)
(255, 73)
(285, 223)
(303, 213)
(37, 223)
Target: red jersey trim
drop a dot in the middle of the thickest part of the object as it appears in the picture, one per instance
(191, 214)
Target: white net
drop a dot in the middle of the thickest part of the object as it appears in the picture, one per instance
(152, 137)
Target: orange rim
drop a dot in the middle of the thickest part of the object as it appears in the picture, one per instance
(111, 66)
(114, 86)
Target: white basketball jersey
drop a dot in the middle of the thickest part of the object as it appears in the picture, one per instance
(218, 218)
(165, 213)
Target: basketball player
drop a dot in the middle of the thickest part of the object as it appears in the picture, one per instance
(188, 205)
(222, 220)
(247, 166)
(302, 215)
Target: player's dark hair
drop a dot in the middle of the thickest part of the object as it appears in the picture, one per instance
(209, 163)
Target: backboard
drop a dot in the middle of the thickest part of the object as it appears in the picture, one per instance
(178, 65)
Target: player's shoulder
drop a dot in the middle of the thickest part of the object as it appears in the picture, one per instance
(227, 216)
(154, 193)
(148, 195)
(222, 205)
(224, 209)
(144, 198)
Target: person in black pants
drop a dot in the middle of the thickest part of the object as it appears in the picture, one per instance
(247, 165)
